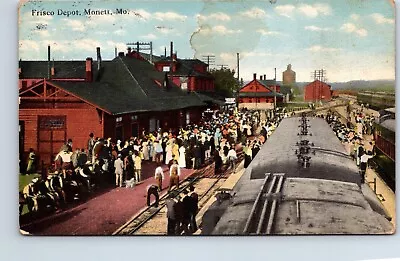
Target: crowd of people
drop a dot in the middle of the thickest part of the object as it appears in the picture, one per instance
(217, 138)
(353, 136)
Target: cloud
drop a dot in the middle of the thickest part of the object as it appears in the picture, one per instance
(317, 29)
(285, 10)
(74, 25)
(254, 12)
(28, 45)
(164, 30)
(315, 10)
(380, 19)
(223, 30)
(266, 32)
(351, 28)
(319, 48)
(56, 46)
(219, 16)
(86, 44)
(120, 46)
(169, 16)
(218, 30)
(120, 32)
(354, 17)
(149, 36)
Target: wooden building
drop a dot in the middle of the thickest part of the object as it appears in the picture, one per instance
(260, 94)
(117, 99)
(317, 91)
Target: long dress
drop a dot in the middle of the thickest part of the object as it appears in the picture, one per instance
(175, 151)
(168, 156)
(182, 157)
(145, 150)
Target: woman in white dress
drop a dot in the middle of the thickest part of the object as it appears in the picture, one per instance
(182, 157)
(168, 156)
(145, 150)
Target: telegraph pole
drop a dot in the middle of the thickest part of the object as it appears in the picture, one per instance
(238, 82)
(209, 59)
(143, 46)
(275, 91)
(319, 75)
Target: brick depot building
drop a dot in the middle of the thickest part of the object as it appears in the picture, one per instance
(118, 99)
(260, 94)
(317, 91)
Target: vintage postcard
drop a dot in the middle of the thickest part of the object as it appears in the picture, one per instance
(202, 118)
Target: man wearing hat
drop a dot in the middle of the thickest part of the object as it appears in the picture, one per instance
(119, 170)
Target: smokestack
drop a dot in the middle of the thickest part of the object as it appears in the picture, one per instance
(171, 57)
(165, 51)
(172, 49)
(237, 58)
(260, 77)
(265, 77)
(151, 52)
(275, 75)
(254, 76)
(115, 52)
(48, 62)
(89, 73)
(98, 58)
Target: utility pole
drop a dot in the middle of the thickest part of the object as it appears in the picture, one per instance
(209, 59)
(319, 75)
(143, 46)
(237, 58)
(275, 91)
(238, 82)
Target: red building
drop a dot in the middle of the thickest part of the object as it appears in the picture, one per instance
(117, 99)
(317, 91)
(260, 94)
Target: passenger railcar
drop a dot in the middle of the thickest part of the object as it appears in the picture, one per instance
(385, 140)
(301, 182)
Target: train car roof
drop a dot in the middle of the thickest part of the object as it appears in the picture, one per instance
(389, 124)
(328, 193)
(391, 110)
(278, 154)
(324, 207)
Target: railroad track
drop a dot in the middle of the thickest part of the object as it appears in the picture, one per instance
(137, 222)
(148, 213)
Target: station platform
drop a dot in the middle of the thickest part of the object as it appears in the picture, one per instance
(106, 211)
(382, 191)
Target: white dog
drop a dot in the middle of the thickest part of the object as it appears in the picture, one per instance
(130, 183)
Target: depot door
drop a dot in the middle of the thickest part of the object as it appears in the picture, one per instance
(52, 134)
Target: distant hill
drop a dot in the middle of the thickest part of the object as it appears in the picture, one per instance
(375, 85)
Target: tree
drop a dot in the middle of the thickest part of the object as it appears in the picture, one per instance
(225, 82)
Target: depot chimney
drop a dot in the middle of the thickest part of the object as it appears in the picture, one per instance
(48, 62)
(265, 77)
(254, 76)
(98, 58)
(89, 73)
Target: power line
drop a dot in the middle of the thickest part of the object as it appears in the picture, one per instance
(209, 60)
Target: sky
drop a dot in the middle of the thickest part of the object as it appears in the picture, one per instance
(350, 39)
